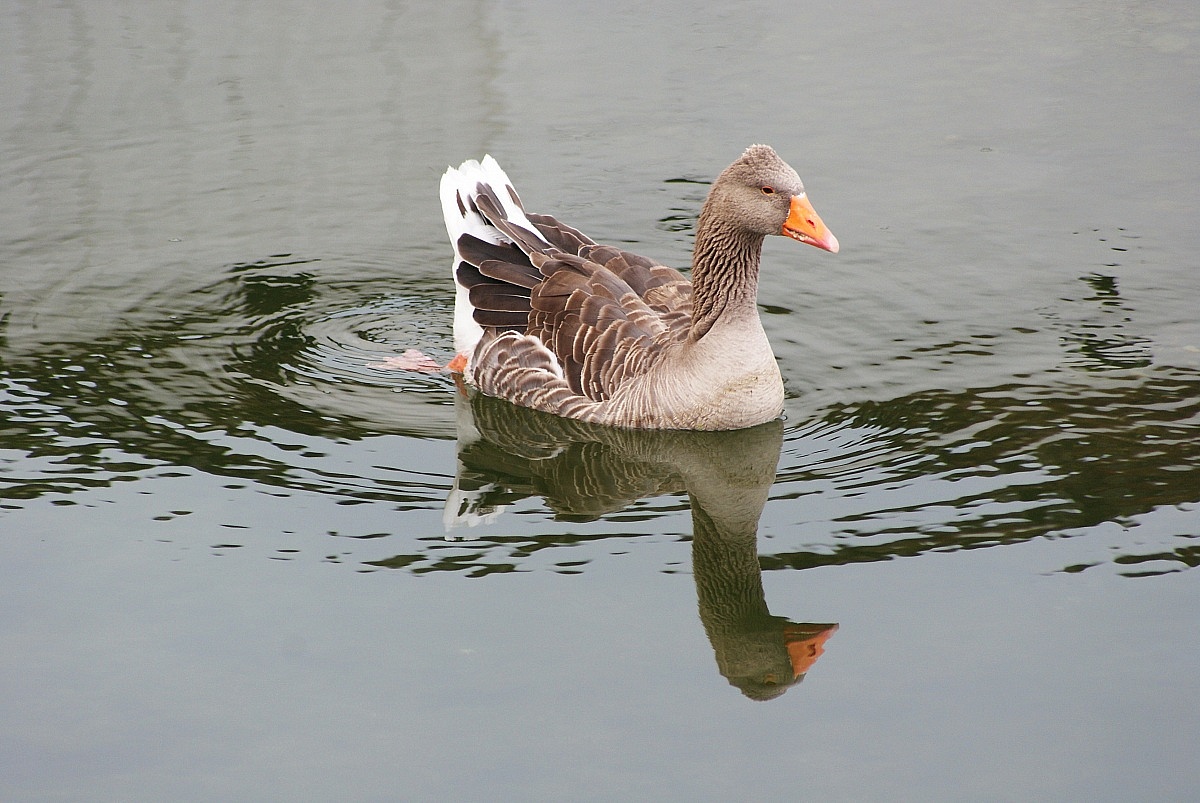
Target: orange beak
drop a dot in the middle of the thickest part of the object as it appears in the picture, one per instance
(804, 224)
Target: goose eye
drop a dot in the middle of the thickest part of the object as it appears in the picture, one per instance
(768, 190)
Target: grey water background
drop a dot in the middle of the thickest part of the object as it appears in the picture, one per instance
(224, 570)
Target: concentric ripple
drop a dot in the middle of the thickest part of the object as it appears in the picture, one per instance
(350, 344)
(324, 346)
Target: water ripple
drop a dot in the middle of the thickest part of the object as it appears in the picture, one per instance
(263, 379)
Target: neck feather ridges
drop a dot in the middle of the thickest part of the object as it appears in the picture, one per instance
(724, 273)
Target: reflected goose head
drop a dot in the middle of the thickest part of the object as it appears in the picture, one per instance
(763, 194)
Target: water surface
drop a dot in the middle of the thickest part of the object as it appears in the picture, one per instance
(240, 562)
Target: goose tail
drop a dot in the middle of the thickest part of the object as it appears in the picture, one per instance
(478, 199)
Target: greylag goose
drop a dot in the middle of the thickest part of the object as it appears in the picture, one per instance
(547, 318)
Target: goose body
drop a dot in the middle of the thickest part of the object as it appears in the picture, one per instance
(547, 318)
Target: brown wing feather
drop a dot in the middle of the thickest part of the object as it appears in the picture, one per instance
(560, 235)
(600, 329)
(604, 313)
(475, 250)
(522, 370)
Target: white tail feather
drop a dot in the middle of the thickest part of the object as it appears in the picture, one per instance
(459, 185)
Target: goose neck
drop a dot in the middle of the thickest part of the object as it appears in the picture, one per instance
(724, 272)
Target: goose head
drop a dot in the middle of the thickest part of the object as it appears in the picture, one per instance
(763, 195)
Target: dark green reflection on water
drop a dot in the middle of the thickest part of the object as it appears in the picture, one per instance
(233, 380)
(1068, 455)
(174, 392)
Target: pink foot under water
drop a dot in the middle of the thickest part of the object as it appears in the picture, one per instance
(417, 360)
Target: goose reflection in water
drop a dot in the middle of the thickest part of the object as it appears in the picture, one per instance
(584, 471)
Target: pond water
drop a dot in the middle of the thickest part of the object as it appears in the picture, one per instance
(237, 561)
